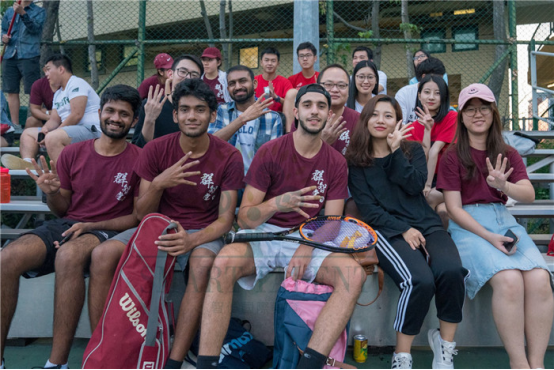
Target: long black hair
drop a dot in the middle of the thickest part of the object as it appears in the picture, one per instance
(353, 91)
(444, 95)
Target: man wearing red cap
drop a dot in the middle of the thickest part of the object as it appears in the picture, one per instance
(213, 76)
(163, 63)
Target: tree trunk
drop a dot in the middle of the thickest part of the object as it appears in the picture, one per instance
(52, 9)
(407, 36)
(223, 33)
(376, 33)
(497, 76)
(91, 47)
(206, 21)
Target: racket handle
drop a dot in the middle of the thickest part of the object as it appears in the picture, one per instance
(249, 237)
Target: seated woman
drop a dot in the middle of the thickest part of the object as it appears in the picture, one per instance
(386, 177)
(435, 129)
(477, 174)
(364, 85)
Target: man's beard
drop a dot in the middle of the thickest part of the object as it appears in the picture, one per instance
(249, 94)
(113, 135)
(311, 131)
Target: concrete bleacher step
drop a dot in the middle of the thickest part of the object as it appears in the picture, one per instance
(6, 234)
(537, 209)
(25, 206)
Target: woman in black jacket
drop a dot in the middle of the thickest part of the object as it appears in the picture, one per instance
(387, 176)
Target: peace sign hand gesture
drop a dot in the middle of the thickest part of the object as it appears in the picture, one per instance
(400, 133)
(48, 181)
(425, 118)
(498, 176)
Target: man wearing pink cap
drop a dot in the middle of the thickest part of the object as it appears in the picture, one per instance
(213, 76)
(163, 63)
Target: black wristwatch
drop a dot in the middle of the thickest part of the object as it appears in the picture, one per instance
(277, 99)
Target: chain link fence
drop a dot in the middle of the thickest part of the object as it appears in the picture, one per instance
(478, 41)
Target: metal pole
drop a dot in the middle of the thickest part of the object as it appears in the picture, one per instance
(141, 37)
(305, 31)
(493, 67)
(513, 63)
(530, 49)
(116, 71)
(330, 33)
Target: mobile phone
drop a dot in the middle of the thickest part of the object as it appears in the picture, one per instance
(510, 245)
(40, 137)
(66, 238)
(266, 91)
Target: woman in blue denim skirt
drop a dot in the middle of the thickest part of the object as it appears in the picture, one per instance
(477, 175)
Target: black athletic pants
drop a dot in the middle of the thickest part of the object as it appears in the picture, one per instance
(418, 281)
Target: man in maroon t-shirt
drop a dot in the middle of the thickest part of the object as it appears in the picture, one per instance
(40, 102)
(291, 179)
(163, 63)
(191, 177)
(92, 188)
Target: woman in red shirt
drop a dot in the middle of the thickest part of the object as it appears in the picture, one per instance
(435, 129)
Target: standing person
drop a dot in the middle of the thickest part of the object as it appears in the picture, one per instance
(407, 96)
(364, 86)
(22, 54)
(292, 178)
(278, 85)
(40, 102)
(74, 117)
(420, 56)
(364, 53)
(245, 123)
(435, 129)
(92, 189)
(213, 75)
(386, 177)
(202, 201)
(477, 175)
(156, 114)
(163, 63)
(307, 56)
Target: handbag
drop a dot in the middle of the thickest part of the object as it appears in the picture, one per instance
(369, 261)
(551, 247)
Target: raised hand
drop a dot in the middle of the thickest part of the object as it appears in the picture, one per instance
(176, 174)
(48, 181)
(425, 118)
(271, 90)
(400, 133)
(498, 176)
(256, 110)
(294, 200)
(155, 102)
(333, 129)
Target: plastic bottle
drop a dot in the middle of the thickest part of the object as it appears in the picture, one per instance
(5, 185)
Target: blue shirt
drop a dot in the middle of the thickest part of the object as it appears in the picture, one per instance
(261, 130)
(26, 32)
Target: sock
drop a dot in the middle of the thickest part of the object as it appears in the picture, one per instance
(207, 362)
(49, 364)
(311, 360)
(172, 364)
(27, 160)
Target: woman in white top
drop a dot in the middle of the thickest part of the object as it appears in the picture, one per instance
(364, 86)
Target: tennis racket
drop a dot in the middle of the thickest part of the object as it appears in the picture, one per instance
(330, 233)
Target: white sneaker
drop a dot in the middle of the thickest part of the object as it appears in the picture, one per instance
(401, 360)
(15, 163)
(443, 351)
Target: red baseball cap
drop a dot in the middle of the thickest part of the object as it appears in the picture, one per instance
(211, 52)
(163, 61)
(475, 91)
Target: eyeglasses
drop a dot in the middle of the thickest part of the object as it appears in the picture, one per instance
(183, 72)
(362, 78)
(484, 109)
(418, 57)
(329, 85)
(305, 56)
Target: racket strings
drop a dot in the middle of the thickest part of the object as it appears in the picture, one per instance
(338, 234)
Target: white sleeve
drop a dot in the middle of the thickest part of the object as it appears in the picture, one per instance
(383, 81)
(77, 87)
(401, 99)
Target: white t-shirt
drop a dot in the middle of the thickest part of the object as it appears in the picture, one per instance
(246, 142)
(78, 87)
(407, 97)
(383, 81)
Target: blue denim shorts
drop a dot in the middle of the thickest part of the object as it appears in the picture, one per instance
(484, 260)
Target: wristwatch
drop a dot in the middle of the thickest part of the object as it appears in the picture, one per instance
(277, 99)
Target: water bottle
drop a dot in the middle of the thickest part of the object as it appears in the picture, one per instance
(5, 185)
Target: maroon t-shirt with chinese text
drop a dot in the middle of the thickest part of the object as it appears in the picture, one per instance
(102, 187)
(216, 87)
(194, 207)
(280, 85)
(145, 86)
(451, 176)
(41, 93)
(277, 168)
(350, 116)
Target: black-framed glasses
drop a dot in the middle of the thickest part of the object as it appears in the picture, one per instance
(483, 109)
(362, 78)
(184, 73)
(329, 85)
(418, 57)
(305, 56)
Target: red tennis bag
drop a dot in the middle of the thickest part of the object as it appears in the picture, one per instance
(134, 329)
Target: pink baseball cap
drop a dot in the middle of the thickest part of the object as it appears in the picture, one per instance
(475, 91)
(163, 61)
(211, 52)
